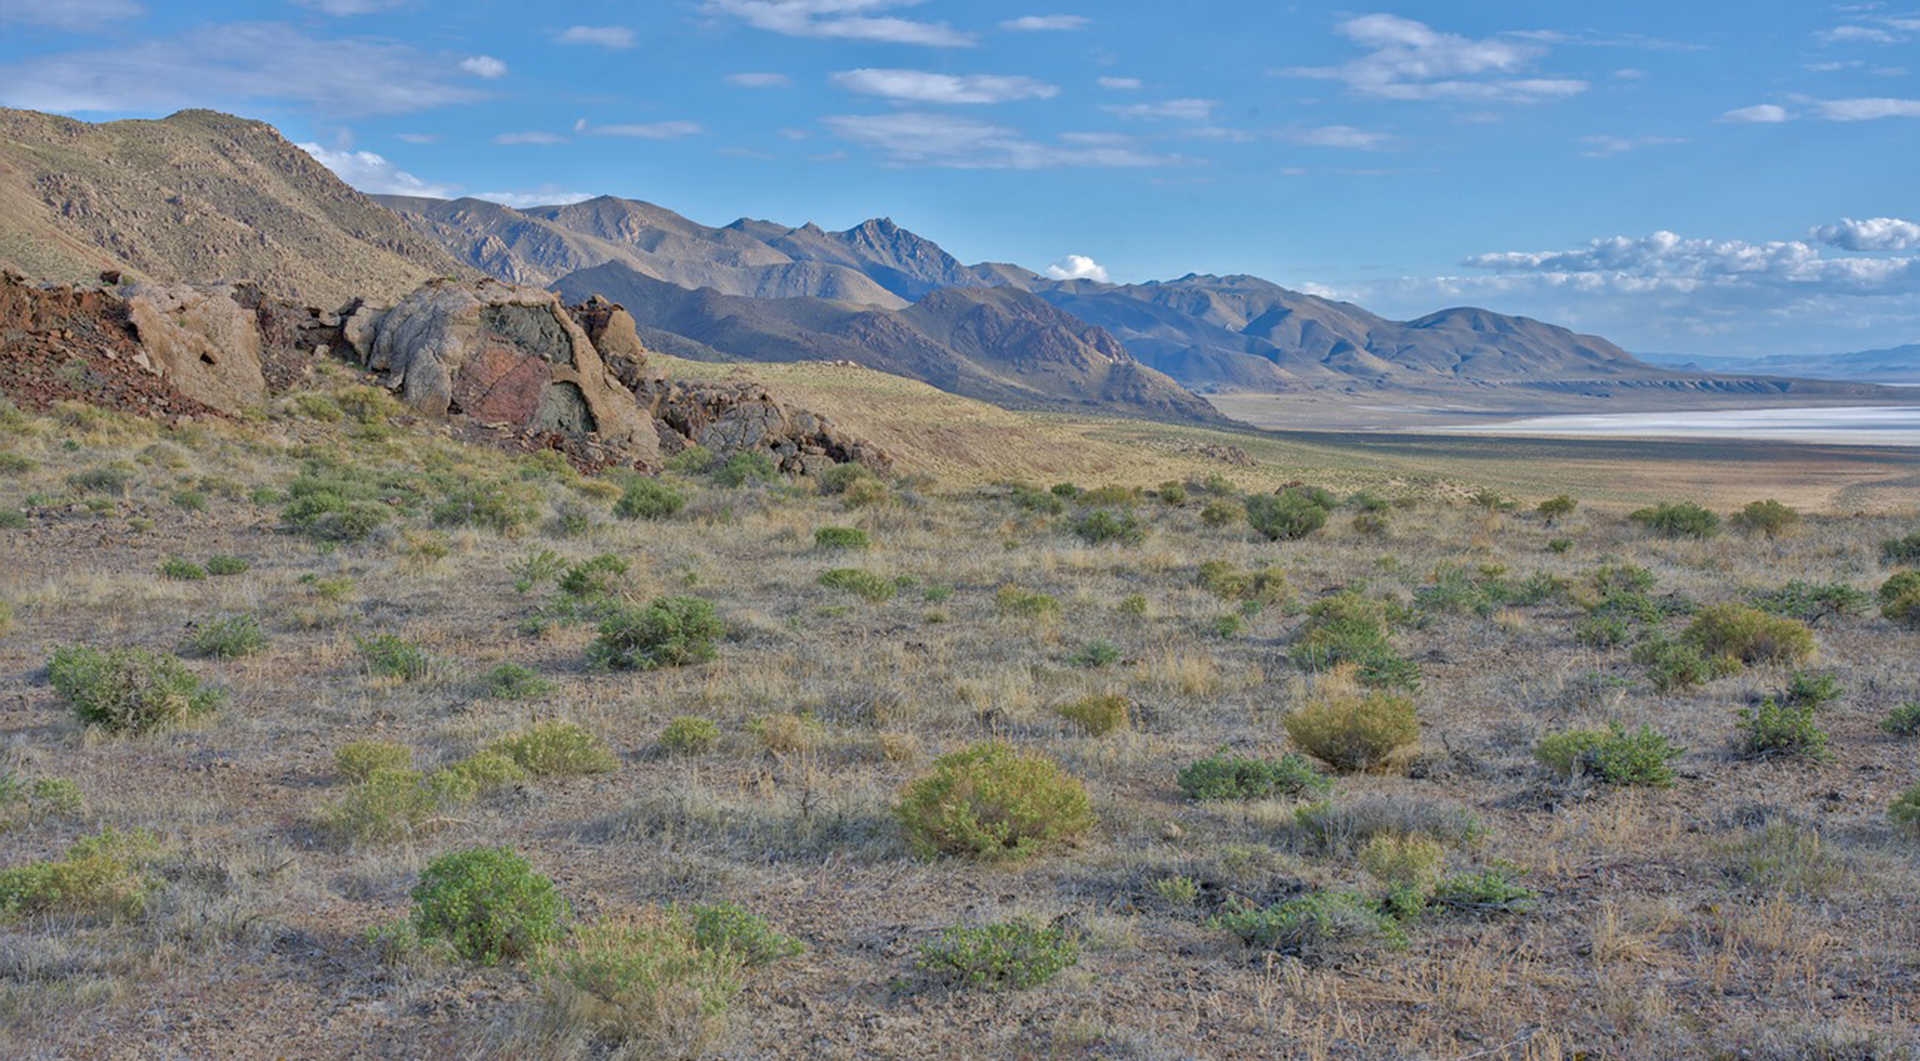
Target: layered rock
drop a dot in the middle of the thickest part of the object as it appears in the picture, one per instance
(201, 340)
(730, 417)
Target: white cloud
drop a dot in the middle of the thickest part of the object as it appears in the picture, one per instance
(1603, 146)
(1117, 83)
(484, 66)
(349, 7)
(1338, 136)
(915, 138)
(1873, 234)
(1078, 267)
(536, 137)
(234, 65)
(615, 37)
(544, 196)
(71, 14)
(1855, 35)
(373, 173)
(1191, 110)
(1759, 112)
(669, 130)
(759, 80)
(922, 86)
(1410, 60)
(1043, 23)
(1665, 261)
(840, 19)
(1863, 110)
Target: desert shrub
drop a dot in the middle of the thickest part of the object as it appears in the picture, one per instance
(1617, 578)
(1905, 811)
(1222, 777)
(1900, 598)
(1404, 863)
(1040, 502)
(504, 507)
(1773, 729)
(787, 732)
(836, 479)
(391, 656)
(331, 507)
(1172, 492)
(1812, 602)
(689, 735)
(1176, 890)
(225, 566)
(1813, 690)
(669, 632)
(1330, 826)
(177, 569)
(190, 500)
(1225, 580)
(993, 802)
(548, 749)
(841, 538)
(593, 578)
(1682, 520)
(1903, 721)
(1488, 892)
(1101, 526)
(1560, 545)
(746, 936)
(1318, 926)
(230, 637)
(643, 984)
(1769, 519)
(1348, 629)
(488, 904)
(1286, 516)
(1009, 954)
(1555, 509)
(128, 689)
(1134, 604)
(12, 519)
(863, 492)
(744, 468)
(649, 499)
(15, 464)
(390, 805)
(1351, 730)
(694, 460)
(1901, 550)
(1014, 600)
(1221, 512)
(1372, 524)
(1603, 631)
(1618, 756)
(1781, 856)
(1735, 631)
(511, 681)
(477, 775)
(103, 479)
(1110, 495)
(104, 875)
(1675, 666)
(866, 585)
(1093, 654)
(1097, 715)
(363, 758)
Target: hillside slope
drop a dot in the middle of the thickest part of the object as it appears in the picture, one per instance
(196, 196)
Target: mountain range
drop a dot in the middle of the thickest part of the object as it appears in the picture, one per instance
(1897, 364)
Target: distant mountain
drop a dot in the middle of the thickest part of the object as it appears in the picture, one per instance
(197, 196)
(1898, 364)
(1000, 344)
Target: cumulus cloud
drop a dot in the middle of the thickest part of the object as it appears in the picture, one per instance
(1339, 136)
(373, 173)
(1873, 234)
(1078, 267)
(1855, 35)
(549, 195)
(234, 65)
(70, 14)
(1190, 110)
(1044, 23)
(917, 138)
(759, 80)
(1667, 261)
(1117, 83)
(485, 66)
(1759, 112)
(614, 37)
(669, 130)
(1411, 60)
(922, 86)
(841, 19)
(1866, 110)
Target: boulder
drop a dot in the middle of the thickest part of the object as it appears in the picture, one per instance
(613, 332)
(729, 417)
(201, 340)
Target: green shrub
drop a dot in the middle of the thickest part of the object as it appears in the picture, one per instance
(642, 985)
(1769, 519)
(1134, 604)
(390, 805)
(502, 506)
(1287, 516)
(1900, 598)
(1039, 502)
(993, 802)
(334, 507)
(180, 570)
(104, 875)
(649, 499)
(1318, 926)
(1784, 730)
(15, 464)
(1347, 628)
(190, 500)
(1351, 731)
(1555, 509)
(1093, 654)
(1404, 863)
(1674, 666)
(104, 479)
(1905, 811)
(489, 905)
(1009, 954)
(128, 689)
(743, 468)
(1811, 602)
(224, 566)
(594, 578)
(1176, 890)
(1617, 756)
(1229, 582)
(841, 538)
(1097, 715)
(1602, 631)
(1014, 600)
(391, 656)
(558, 749)
(1222, 513)
(1682, 520)
(1488, 892)
(1223, 777)
(1172, 492)
(477, 775)
(12, 519)
(1901, 550)
(1813, 690)
(694, 460)
(689, 735)
(863, 492)
(1101, 526)
(1903, 721)
(511, 681)
(1735, 631)
(1560, 545)
(748, 937)
(362, 759)
(864, 584)
(227, 638)
(1112, 495)
(669, 632)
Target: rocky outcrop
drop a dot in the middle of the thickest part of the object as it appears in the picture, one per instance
(201, 340)
(612, 331)
(730, 417)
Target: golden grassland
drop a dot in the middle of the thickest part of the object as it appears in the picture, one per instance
(1760, 908)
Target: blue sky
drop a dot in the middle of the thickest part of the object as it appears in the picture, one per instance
(1707, 177)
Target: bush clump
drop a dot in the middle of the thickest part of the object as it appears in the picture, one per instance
(1236, 777)
(1674, 666)
(1097, 715)
(1900, 598)
(1555, 509)
(1015, 600)
(1286, 516)
(1350, 730)
(1774, 729)
(1102, 526)
(1682, 520)
(512, 681)
(744, 468)
(227, 566)
(1901, 550)
(558, 749)
(364, 758)
(860, 582)
(1811, 602)
(993, 802)
(644, 983)
(1905, 812)
(128, 690)
(689, 735)
(104, 875)
(649, 499)
(489, 905)
(1749, 635)
(1318, 926)
(503, 507)
(1617, 756)
(1009, 954)
(668, 632)
(1768, 519)
(841, 538)
(1903, 721)
(1347, 629)
(732, 929)
(391, 656)
(230, 637)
